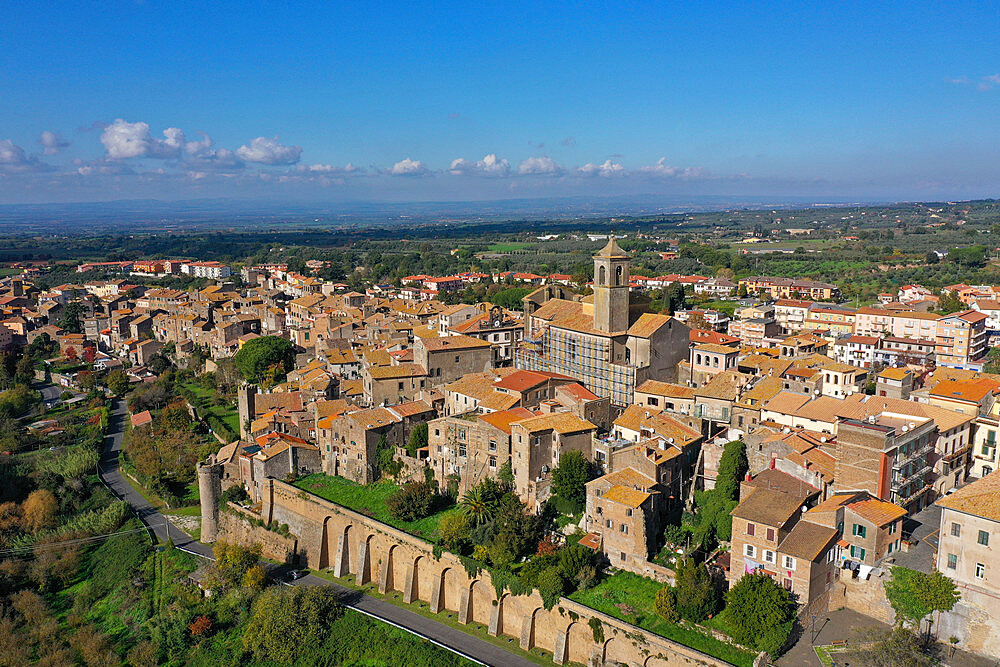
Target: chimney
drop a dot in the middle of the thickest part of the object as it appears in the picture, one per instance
(748, 478)
(291, 458)
(773, 461)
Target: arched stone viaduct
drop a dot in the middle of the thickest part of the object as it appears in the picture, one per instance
(333, 537)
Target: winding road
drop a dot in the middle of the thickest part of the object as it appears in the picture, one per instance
(464, 644)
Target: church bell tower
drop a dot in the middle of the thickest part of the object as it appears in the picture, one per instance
(611, 279)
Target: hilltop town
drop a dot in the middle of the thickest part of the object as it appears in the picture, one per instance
(597, 468)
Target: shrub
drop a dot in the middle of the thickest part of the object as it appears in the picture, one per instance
(551, 585)
(454, 530)
(414, 500)
(759, 613)
(697, 597)
(666, 604)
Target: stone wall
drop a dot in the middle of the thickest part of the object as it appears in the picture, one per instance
(348, 543)
(235, 527)
(973, 620)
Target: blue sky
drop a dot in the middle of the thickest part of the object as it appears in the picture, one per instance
(362, 101)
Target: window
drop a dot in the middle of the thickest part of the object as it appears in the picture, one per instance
(980, 571)
(621, 556)
(893, 526)
(830, 555)
(750, 529)
(600, 510)
(770, 534)
(952, 561)
(493, 462)
(653, 401)
(768, 555)
(610, 523)
(625, 529)
(789, 563)
(437, 431)
(859, 530)
(750, 551)
(401, 386)
(984, 538)
(956, 530)
(461, 450)
(493, 445)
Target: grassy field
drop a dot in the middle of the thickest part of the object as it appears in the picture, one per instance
(630, 597)
(228, 413)
(370, 501)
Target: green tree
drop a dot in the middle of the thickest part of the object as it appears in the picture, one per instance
(414, 500)
(697, 596)
(511, 298)
(993, 360)
(117, 383)
(573, 559)
(665, 604)
(569, 478)
(418, 439)
(931, 258)
(70, 319)
(759, 613)
(288, 622)
(949, 303)
(454, 529)
(506, 474)
(915, 595)
(733, 466)
(259, 355)
(551, 585)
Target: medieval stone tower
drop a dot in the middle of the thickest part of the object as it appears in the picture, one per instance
(245, 403)
(611, 278)
(209, 488)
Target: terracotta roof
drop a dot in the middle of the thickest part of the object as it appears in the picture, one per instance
(502, 419)
(142, 418)
(666, 389)
(725, 385)
(453, 343)
(879, 512)
(578, 391)
(715, 348)
(895, 373)
(980, 498)
(591, 541)
(648, 324)
(777, 480)
(808, 540)
(560, 422)
(837, 501)
(626, 496)
(523, 380)
(404, 370)
(771, 508)
(629, 477)
(964, 390)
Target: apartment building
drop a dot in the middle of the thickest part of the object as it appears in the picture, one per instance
(536, 445)
(968, 537)
(790, 288)
(870, 529)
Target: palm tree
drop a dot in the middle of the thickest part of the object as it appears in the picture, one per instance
(475, 504)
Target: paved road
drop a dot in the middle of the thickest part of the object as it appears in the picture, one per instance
(443, 635)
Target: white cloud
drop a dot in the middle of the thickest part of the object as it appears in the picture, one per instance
(608, 168)
(201, 148)
(52, 142)
(539, 165)
(490, 165)
(328, 169)
(664, 170)
(408, 167)
(269, 151)
(124, 140)
(13, 159)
